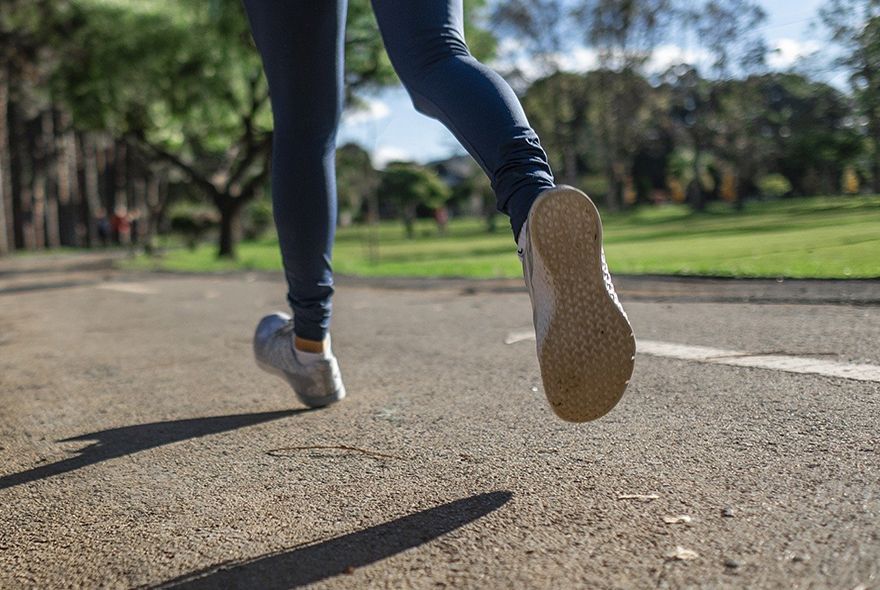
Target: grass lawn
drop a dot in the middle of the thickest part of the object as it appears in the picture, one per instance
(823, 237)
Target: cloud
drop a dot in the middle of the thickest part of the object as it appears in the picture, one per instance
(786, 52)
(387, 153)
(668, 55)
(375, 110)
(581, 59)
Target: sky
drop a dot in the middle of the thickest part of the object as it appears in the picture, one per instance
(392, 129)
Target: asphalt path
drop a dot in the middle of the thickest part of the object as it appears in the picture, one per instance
(141, 447)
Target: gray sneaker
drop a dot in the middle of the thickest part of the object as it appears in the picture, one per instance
(316, 384)
(585, 344)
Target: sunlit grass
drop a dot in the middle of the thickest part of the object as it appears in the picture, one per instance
(829, 237)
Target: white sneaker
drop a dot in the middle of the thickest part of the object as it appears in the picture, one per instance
(316, 384)
(586, 348)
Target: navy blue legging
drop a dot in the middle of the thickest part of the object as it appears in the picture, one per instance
(301, 43)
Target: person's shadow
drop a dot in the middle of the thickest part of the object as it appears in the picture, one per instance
(117, 442)
(312, 563)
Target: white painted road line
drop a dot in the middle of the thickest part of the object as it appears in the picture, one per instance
(735, 358)
(776, 362)
(135, 288)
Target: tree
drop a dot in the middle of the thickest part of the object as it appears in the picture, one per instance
(559, 110)
(729, 32)
(33, 38)
(476, 188)
(855, 26)
(693, 109)
(815, 140)
(356, 182)
(624, 34)
(184, 84)
(176, 86)
(409, 185)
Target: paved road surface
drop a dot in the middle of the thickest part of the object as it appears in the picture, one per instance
(140, 446)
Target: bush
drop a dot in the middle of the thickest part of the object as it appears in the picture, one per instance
(774, 186)
(192, 222)
(595, 185)
(257, 219)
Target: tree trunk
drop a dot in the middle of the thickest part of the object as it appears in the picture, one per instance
(139, 201)
(7, 231)
(875, 169)
(91, 192)
(107, 175)
(230, 227)
(153, 211)
(47, 139)
(23, 172)
(66, 181)
(615, 188)
(38, 182)
(569, 163)
(696, 194)
(409, 215)
(19, 168)
(120, 176)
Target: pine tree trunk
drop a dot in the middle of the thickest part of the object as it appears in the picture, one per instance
(38, 180)
(7, 231)
(20, 168)
(66, 180)
(50, 180)
(91, 192)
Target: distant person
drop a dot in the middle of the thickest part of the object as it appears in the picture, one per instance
(103, 226)
(585, 344)
(441, 218)
(121, 225)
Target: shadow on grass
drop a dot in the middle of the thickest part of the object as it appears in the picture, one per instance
(118, 442)
(308, 564)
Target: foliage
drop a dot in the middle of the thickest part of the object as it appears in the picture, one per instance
(855, 26)
(774, 186)
(356, 179)
(409, 185)
(192, 222)
(257, 219)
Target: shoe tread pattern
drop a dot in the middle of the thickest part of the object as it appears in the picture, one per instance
(587, 353)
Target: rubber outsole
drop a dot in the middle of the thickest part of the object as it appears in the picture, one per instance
(587, 354)
(311, 402)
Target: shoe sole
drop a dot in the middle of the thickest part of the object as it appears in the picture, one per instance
(588, 353)
(312, 402)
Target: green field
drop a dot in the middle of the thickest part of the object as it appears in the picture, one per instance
(824, 237)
